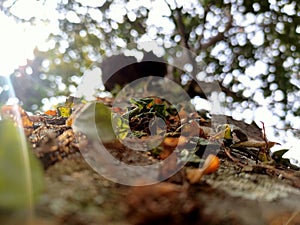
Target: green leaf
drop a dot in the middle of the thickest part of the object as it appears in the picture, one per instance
(278, 154)
(21, 175)
(160, 110)
(121, 126)
(104, 123)
(278, 158)
(142, 102)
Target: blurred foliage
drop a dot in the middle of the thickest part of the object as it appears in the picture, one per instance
(230, 36)
(102, 118)
(16, 191)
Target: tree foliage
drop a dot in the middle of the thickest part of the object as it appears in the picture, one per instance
(249, 47)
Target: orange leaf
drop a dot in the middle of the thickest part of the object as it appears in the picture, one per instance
(69, 121)
(17, 114)
(169, 145)
(51, 112)
(211, 165)
(170, 142)
(174, 141)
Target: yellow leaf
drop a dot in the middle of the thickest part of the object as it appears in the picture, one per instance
(64, 111)
(224, 133)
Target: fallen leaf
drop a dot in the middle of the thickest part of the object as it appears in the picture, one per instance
(211, 165)
(17, 114)
(224, 132)
(183, 115)
(51, 112)
(174, 141)
(253, 144)
(192, 129)
(69, 121)
(169, 145)
(64, 111)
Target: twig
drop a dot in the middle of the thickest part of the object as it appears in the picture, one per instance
(181, 28)
(219, 37)
(291, 177)
(292, 217)
(264, 135)
(235, 160)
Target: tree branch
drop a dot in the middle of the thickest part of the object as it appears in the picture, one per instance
(181, 29)
(178, 21)
(219, 37)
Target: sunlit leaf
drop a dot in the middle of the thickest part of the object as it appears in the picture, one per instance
(64, 111)
(224, 132)
(21, 175)
(17, 114)
(51, 112)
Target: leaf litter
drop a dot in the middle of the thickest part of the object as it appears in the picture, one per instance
(242, 165)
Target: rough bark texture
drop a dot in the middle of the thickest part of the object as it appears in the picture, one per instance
(76, 194)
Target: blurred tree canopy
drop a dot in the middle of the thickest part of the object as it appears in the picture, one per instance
(249, 47)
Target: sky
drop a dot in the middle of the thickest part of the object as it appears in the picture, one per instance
(17, 42)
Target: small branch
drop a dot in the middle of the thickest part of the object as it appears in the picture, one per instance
(228, 154)
(264, 135)
(200, 37)
(178, 21)
(220, 36)
(184, 33)
(291, 177)
(181, 29)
